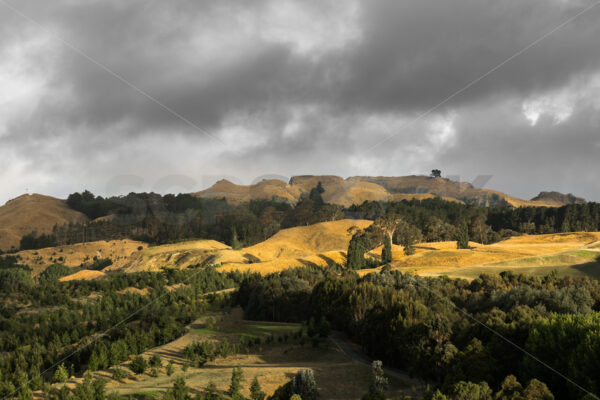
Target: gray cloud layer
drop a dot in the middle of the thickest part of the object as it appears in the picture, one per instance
(294, 87)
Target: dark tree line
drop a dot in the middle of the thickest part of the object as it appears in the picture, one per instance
(160, 219)
(440, 220)
(418, 324)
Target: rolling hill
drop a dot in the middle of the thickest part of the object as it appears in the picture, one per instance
(319, 244)
(325, 243)
(33, 212)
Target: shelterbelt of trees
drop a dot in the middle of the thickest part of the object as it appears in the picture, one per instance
(160, 219)
(465, 338)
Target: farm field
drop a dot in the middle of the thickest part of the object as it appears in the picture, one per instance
(274, 364)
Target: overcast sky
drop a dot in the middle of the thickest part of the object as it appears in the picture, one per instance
(119, 96)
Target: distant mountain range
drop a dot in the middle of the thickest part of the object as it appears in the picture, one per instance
(39, 213)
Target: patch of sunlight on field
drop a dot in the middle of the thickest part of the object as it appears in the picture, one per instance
(521, 251)
(577, 263)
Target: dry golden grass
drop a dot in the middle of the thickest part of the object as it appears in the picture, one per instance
(265, 189)
(317, 245)
(33, 212)
(437, 258)
(83, 275)
(304, 241)
(320, 245)
(119, 251)
(575, 263)
(349, 192)
(515, 202)
(178, 255)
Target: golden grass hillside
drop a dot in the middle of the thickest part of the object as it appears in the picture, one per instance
(265, 189)
(33, 212)
(320, 244)
(325, 244)
(179, 255)
(444, 259)
(303, 241)
(447, 188)
(83, 275)
(75, 255)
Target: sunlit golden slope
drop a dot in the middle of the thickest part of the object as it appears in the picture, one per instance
(319, 244)
(83, 275)
(326, 243)
(444, 258)
(75, 255)
(304, 241)
(180, 255)
(266, 189)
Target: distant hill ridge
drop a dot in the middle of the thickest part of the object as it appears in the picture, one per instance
(35, 212)
(357, 189)
(558, 198)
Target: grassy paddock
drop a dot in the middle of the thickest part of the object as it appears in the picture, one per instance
(273, 363)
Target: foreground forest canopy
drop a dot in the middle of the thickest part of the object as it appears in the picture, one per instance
(160, 219)
(466, 340)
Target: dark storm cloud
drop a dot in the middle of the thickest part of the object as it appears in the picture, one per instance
(294, 87)
(151, 47)
(525, 160)
(416, 53)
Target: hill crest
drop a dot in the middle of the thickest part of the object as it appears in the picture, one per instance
(357, 189)
(33, 212)
(558, 198)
